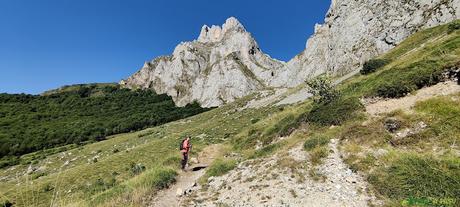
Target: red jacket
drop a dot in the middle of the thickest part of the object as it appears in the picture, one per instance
(186, 146)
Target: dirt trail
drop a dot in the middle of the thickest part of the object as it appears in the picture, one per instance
(283, 180)
(186, 180)
(407, 102)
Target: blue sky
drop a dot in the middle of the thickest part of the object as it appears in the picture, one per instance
(50, 43)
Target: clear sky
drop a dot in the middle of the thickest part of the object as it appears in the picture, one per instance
(45, 44)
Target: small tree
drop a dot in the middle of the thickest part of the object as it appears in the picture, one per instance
(322, 89)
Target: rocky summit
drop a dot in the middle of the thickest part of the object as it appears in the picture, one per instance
(226, 63)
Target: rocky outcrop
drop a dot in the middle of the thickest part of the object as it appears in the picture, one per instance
(357, 30)
(224, 64)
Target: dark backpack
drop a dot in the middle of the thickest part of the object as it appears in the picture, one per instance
(181, 147)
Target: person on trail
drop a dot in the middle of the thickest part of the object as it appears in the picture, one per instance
(185, 148)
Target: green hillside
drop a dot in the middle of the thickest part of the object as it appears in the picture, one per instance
(423, 169)
(78, 114)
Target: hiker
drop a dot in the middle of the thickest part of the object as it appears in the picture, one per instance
(185, 148)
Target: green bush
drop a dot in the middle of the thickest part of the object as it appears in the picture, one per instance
(393, 90)
(314, 142)
(322, 89)
(373, 65)
(6, 203)
(47, 188)
(454, 26)
(220, 167)
(417, 176)
(335, 112)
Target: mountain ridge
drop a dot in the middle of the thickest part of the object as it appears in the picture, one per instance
(225, 62)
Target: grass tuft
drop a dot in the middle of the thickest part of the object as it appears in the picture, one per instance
(418, 176)
(315, 142)
(220, 166)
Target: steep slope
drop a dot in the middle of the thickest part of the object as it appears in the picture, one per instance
(225, 63)
(355, 31)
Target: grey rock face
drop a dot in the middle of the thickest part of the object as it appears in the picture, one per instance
(357, 30)
(225, 63)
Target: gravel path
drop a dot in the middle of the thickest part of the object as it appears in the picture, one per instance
(282, 180)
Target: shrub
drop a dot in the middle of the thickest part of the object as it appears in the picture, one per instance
(220, 167)
(335, 112)
(418, 176)
(373, 65)
(8, 161)
(47, 188)
(136, 169)
(317, 154)
(314, 142)
(322, 89)
(6, 203)
(392, 90)
(454, 26)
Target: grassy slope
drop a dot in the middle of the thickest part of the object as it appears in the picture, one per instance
(156, 147)
(421, 169)
(77, 114)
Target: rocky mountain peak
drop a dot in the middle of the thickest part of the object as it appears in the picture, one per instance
(216, 33)
(224, 64)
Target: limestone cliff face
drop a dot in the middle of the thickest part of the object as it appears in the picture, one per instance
(357, 30)
(225, 63)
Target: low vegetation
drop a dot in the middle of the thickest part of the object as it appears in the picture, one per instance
(418, 176)
(373, 65)
(322, 89)
(315, 142)
(220, 167)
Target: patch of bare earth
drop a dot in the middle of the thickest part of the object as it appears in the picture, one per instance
(376, 107)
(283, 180)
